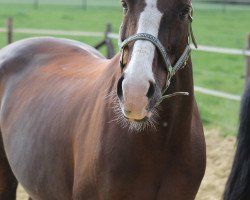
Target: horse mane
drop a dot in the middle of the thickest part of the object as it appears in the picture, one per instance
(238, 185)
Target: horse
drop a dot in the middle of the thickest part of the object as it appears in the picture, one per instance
(238, 184)
(75, 125)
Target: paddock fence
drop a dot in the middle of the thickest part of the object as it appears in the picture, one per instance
(107, 41)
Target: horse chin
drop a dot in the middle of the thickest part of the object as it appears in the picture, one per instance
(147, 122)
(138, 125)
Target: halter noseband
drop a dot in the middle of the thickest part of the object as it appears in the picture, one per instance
(172, 70)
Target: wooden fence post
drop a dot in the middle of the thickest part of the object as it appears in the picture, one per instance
(9, 26)
(36, 4)
(248, 61)
(107, 42)
(84, 4)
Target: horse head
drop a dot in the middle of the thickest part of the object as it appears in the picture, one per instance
(154, 43)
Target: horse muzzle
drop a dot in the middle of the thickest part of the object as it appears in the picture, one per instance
(134, 97)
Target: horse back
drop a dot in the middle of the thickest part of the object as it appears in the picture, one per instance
(35, 52)
(52, 61)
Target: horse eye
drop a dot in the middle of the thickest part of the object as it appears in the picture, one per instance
(186, 11)
(124, 5)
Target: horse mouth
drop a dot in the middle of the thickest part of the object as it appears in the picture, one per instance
(147, 122)
(145, 119)
(135, 123)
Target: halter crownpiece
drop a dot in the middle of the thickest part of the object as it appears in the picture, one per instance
(181, 63)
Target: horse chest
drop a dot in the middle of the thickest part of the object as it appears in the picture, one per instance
(129, 171)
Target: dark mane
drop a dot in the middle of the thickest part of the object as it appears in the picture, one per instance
(238, 185)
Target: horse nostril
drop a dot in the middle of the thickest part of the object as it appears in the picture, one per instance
(119, 88)
(151, 90)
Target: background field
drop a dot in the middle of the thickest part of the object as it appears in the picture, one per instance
(214, 25)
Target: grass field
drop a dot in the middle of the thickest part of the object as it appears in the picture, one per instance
(213, 26)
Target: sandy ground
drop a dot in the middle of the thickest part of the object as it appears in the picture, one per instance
(219, 158)
(220, 152)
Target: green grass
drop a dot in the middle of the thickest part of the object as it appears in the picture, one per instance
(213, 26)
(227, 28)
(59, 17)
(222, 28)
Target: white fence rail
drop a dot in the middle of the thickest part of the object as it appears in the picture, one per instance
(52, 32)
(230, 51)
(217, 93)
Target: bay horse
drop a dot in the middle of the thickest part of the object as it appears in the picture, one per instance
(75, 125)
(238, 184)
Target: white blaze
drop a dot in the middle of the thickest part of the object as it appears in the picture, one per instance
(139, 73)
(140, 66)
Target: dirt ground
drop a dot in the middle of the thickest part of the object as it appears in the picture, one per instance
(219, 158)
(220, 152)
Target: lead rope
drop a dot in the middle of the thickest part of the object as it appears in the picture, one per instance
(171, 95)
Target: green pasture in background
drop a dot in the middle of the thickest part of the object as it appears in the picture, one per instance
(214, 25)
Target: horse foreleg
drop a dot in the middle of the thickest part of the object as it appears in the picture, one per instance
(8, 182)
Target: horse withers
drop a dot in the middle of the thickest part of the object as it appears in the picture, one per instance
(75, 125)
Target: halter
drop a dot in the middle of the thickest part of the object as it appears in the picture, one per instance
(172, 70)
